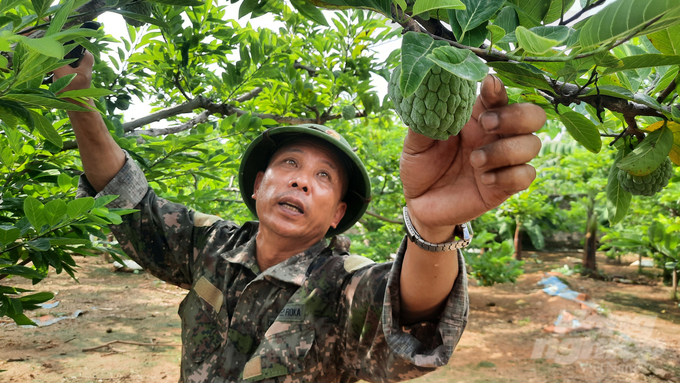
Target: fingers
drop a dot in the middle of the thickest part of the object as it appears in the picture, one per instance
(513, 119)
(492, 94)
(511, 180)
(505, 152)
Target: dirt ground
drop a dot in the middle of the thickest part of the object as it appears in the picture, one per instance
(634, 336)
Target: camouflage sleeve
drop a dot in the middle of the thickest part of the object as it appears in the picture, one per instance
(377, 348)
(160, 235)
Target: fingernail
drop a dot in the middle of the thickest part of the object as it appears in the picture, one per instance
(497, 84)
(478, 158)
(488, 178)
(489, 121)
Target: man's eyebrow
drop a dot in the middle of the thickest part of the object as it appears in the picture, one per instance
(297, 150)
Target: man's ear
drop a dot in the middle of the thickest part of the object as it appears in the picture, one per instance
(339, 213)
(258, 181)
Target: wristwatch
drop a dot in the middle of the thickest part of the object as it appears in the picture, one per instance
(463, 231)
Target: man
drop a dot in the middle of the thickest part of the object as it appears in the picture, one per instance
(269, 300)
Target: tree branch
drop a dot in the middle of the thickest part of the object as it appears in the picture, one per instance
(380, 217)
(250, 95)
(669, 90)
(582, 11)
(309, 69)
(198, 119)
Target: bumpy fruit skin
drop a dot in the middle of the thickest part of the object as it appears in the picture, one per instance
(440, 106)
(140, 8)
(647, 185)
(348, 112)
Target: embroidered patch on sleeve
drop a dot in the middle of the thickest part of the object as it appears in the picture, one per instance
(209, 293)
(355, 262)
(204, 220)
(253, 368)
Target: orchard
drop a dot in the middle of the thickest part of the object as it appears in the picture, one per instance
(606, 72)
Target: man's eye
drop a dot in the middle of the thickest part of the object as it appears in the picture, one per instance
(324, 174)
(290, 161)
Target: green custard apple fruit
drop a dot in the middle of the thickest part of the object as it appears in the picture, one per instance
(440, 106)
(647, 185)
(348, 112)
(139, 7)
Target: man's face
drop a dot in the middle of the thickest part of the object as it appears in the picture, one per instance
(299, 195)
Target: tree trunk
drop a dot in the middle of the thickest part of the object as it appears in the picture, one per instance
(675, 284)
(589, 260)
(518, 240)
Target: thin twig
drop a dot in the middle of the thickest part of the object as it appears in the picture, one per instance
(582, 11)
(380, 217)
(107, 344)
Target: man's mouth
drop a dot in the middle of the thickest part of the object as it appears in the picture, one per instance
(291, 207)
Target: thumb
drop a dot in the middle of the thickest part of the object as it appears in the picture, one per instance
(492, 92)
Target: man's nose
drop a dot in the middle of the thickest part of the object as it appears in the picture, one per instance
(301, 183)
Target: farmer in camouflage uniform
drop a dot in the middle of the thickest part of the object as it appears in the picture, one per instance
(270, 300)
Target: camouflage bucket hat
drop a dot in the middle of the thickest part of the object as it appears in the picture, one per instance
(258, 153)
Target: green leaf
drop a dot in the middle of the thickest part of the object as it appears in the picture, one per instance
(64, 182)
(37, 297)
(459, 62)
(9, 109)
(521, 74)
(35, 213)
(40, 244)
(79, 206)
(47, 46)
(36, 100)
(142, 18)
(104, 200)
(62, 83)
(21, 271)
(556, 8)
(622, 18)
(676, 113)
(583, 130)
(44, 126)
(645, 61)
(476, 12)
(9, 234)
(414, 63)
(310, 11)
(497, 33)
(532, 42)
(40, 6)
(475, 37)
(507, 19)
(612, 90)
(55, 210)
(59, 18)
(422, 6)
(618, 200)
(91, 92)
(649, 154)
(667, 41)
(531, 12)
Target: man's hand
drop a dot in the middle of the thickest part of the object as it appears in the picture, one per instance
(83, 79)
(447, 183)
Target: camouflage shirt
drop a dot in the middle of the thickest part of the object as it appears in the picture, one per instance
(320, 316)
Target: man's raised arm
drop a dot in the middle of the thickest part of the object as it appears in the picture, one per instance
(101, 156)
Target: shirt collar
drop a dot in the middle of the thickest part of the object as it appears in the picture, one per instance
(245, 256)
(294, 269)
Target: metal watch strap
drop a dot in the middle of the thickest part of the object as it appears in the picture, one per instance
(437, 247)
